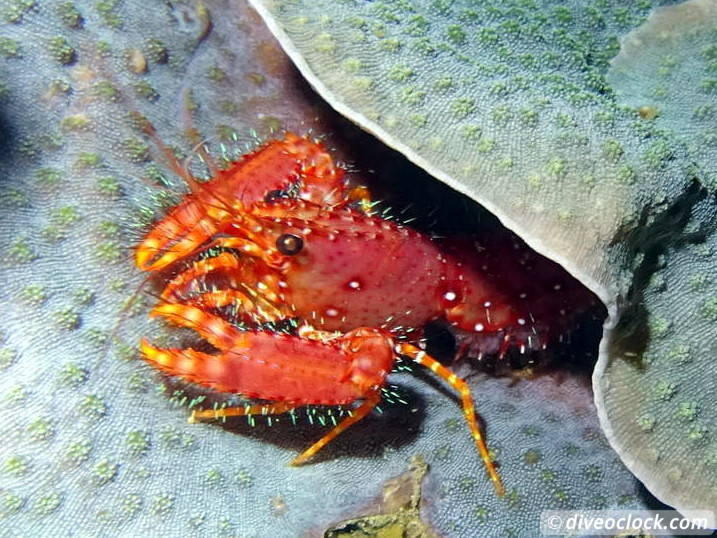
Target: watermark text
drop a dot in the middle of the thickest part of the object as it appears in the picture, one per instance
(610, 522)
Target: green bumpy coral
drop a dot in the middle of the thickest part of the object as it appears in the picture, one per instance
(588, 129)
(95, 442)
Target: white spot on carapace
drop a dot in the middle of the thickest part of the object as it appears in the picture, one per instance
(450, 296)
(478, 327)
(521, 321)
(487, 304)
(331, 312)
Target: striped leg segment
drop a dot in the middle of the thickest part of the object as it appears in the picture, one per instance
(240, 411)
(250, 310)
(245, 246)
(463, 390)
(357, 415)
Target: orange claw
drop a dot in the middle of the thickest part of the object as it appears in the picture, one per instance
(181, 232)
(333, 371)
(314, 369)
(277, 165)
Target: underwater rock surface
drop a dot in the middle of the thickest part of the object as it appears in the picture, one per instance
(588, 129)
(95, 442)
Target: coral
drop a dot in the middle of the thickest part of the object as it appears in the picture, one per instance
(586, 128)
(398, 511)
(96, 442)
(665, 396)
(668, 68)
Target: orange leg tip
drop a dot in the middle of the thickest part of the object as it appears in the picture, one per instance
(147, 349)
(201, 415)
(158, 310)
(498, 485)
(140, 261)
(169, 309)
(298, 460)
(142, 257)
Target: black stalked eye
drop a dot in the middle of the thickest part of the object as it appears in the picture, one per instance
(273, 196)
(289, 244)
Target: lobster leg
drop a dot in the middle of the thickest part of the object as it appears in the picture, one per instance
(248, 309)
(463, 390)
(236, 270)
(356, 415)
(188, 226)
(258, 409)
(224, 262)
(260, 297)
(245, 246)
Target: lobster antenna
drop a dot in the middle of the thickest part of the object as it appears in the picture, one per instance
(148, 128)
(168, 156)
(101, 68)
(193, 135)
(123, 313)
(199, 148)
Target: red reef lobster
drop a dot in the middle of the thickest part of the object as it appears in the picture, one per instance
(294, 242)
